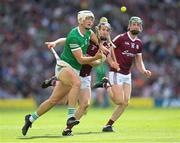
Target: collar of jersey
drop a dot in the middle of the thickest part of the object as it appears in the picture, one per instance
(130, 37)
(80, 32)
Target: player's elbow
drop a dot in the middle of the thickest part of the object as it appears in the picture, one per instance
(121, 103)
(81, 61)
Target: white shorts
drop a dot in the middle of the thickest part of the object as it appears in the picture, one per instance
(118, 78)
(85, 82)
(59, 67)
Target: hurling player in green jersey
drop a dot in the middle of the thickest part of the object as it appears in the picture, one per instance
(103, 30)
(67, 69)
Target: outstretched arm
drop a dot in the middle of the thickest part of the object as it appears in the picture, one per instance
(60, 41)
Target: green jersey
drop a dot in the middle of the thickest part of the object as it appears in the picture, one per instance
(74, 41)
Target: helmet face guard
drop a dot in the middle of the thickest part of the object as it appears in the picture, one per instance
(135, 19)
(138, 20)
(103, 22)
(83, 14)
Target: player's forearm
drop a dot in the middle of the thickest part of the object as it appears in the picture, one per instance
(109, 60)
(142, 69)
(139, 63)
(60, 41)
(140, 66)
(113, 63)
(95, 63)
(87, 60)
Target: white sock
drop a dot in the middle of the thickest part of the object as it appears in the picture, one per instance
(33, 117)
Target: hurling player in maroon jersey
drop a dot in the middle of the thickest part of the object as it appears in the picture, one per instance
(103, 32)
(128, 48)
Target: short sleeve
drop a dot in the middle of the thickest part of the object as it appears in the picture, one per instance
(117, 40)
(74, 44)
(139, 47)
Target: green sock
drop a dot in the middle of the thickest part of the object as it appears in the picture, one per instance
(71, 112)
(33, 117)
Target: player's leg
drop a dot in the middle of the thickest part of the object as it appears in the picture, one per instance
(117, 96)
(127, 93)
(56, 95)
(69, 81)
(67, 77)
(84, 97)
(71, 78)
(124, 89)
(84, 102)
(121, 107)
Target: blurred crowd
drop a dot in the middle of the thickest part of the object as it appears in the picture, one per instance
(25, 25)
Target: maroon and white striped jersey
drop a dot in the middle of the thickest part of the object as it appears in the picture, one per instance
(125, 51)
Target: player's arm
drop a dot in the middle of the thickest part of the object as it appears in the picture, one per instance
(75, 47)
(99, 61)
(140, 65)
(83, 59)
(95, 63)
(114, 44)
(113, 63)
(60, 41)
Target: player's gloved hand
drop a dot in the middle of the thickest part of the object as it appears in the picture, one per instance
(147, 73)
(50, 44)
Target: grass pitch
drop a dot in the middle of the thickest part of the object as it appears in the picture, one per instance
(135, 125)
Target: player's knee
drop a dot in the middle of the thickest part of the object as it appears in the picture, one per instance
(125, 103)
(76, 83)
(118, 102)
(122, 103)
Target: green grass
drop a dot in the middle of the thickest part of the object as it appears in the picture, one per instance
(135, 125)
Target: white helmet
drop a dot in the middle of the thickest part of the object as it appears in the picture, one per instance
(83, 14)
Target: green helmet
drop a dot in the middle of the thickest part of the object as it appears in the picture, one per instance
(135, 19)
